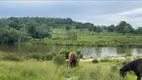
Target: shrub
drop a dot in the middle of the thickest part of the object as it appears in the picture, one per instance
(11, 57)
(106, 59)
(49, 55)
(65, 52)
(59, 59)
(79, 54)
(36, 56)
(95, 60)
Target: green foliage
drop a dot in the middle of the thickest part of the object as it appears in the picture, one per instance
(11, 57)
(49, 56)
(98, 29)
(65, 52)
(111, 28)
(59, 60)
(138, 31)
(36, 56)
(124, 27)
(24, 29)
(79, 54)
(68, 27)
(10, 35)
(71, 36)
(95, 60)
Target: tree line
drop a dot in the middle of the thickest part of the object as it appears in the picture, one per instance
(22, 29)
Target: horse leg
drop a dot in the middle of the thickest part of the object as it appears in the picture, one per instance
(139, 77)
(73, 63)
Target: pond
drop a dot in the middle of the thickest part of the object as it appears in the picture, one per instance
(85, 50)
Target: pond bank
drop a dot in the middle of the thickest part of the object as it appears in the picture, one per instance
(111, 58)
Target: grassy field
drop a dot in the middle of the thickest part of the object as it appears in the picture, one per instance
(47, 70)
(82, 38)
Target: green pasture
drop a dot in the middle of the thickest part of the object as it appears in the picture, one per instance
(47, 70)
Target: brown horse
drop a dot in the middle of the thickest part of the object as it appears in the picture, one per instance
(135, 66)
(72, 61)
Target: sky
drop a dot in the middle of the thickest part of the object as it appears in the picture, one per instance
(98, 12)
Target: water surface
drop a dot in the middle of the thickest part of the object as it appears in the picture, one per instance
(85, 50)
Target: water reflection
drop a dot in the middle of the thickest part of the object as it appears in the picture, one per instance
(109, 51)
(124, 50)
(85, 50)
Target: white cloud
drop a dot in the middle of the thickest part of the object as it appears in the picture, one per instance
(115, 18)
(131, 12)
(97, 12)
(28, 3)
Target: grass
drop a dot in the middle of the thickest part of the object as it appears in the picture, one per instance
(47, 70)
(59, 37)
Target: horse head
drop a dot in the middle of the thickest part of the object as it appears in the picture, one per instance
(122, 72)
(124, 69)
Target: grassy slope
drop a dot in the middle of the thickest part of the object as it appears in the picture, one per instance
(35, 70)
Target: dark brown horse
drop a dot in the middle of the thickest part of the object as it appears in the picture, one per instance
(135, 66)
(72, 61)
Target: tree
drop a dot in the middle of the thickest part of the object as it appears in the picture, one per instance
(88, 25)
(124, 27)
(69, 21)
(138, 30)
(94, 28)
(68, 27)
(127, 29)
(104, 27)
(111, 28)
(98, 29)
(10, 35)
(90, 29)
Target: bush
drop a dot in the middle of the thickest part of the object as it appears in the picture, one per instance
(79, 54)
(48, 56)
(106, 59)
(11, 57)
(65, 52)
(59, 59)
(95, 60)
(36, 56)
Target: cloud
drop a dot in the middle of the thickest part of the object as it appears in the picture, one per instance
(27, 3)
(108, 19)
(97, 12)
(137, 11)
